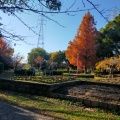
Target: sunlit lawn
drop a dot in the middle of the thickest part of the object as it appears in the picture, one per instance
(57, 108)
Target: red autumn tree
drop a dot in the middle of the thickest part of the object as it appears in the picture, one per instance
(81, 52)
(6, 53)
(38, 59)
(5, 49)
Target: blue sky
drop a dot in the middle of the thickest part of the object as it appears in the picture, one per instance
(55, 37)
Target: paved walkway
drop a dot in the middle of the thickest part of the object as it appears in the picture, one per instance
(9, 111)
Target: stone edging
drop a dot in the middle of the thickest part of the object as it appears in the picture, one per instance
(88, 102)
(85, 101)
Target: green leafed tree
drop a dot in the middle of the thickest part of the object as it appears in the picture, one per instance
(58, 58)
(12, 6)
(109, 40)
(35, 52)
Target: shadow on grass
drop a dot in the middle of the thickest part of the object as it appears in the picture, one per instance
(49, 112)
(11, 111)
(31, 113)
(8, 108)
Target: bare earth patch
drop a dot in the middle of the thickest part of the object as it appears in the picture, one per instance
(94, 92)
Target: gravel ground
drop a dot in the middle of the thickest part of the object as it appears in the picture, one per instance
(9, 111)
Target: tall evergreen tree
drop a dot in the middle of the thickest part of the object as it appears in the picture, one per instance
(81, 52)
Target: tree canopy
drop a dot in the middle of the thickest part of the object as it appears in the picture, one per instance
(17, 58)
(109, 40)
(41, 8)
(6, 53)
(35, 52)
(81, 52)
(58, 56)
(12, 6)
(112, 62)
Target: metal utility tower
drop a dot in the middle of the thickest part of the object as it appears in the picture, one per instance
(41, 33)
(114, 12)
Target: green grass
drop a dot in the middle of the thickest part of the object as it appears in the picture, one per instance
(56, 108)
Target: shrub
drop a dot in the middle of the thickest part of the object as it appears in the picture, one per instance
(86, 76)
(53, 72)
(83, 75)
(30, 71)
(57, 72)
(25, 72)
(71, 71)
(97, 73)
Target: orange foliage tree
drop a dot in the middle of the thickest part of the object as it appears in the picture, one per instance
(5, 49)
(39, 61)
(6, 53)
(81, 52)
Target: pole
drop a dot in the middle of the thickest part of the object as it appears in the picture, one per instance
(77, 63)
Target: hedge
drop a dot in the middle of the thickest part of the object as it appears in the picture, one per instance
(52, 72)
(25, 72)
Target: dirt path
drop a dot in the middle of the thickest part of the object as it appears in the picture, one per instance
(9, 111)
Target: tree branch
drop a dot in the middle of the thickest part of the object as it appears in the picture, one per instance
(100, 12)
(39, 7)
(25, 24)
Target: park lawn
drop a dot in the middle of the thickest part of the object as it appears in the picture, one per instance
(56, 108)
